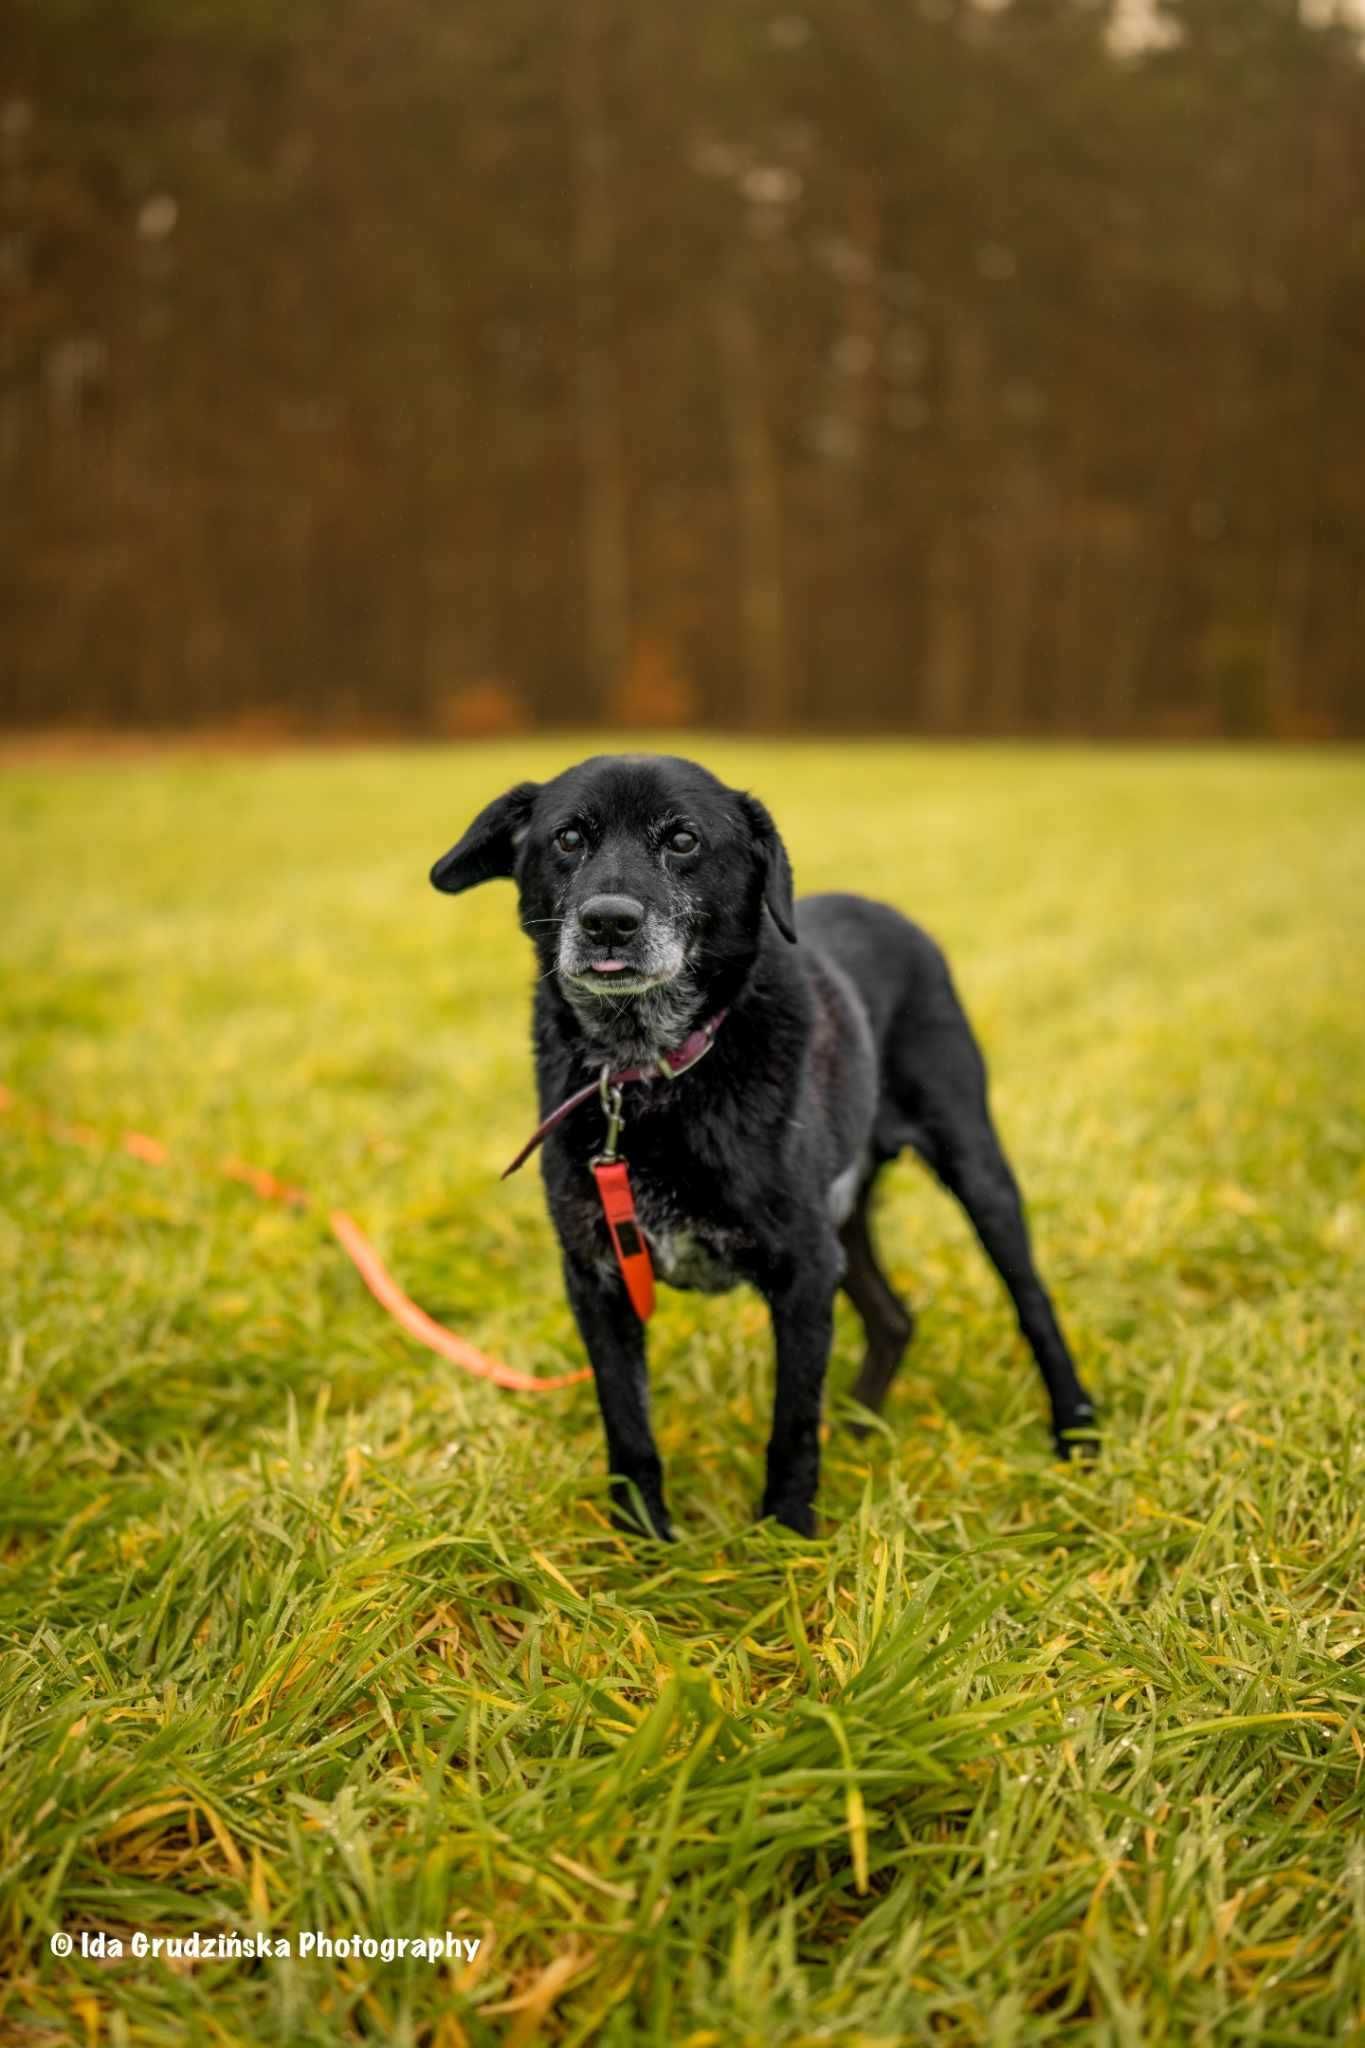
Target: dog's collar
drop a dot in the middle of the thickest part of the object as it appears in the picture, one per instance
(667, 1067)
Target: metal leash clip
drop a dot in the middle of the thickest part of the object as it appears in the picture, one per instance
(612, 1097)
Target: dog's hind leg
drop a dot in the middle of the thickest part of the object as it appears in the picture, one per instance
(940, 1086)
(887, 1322)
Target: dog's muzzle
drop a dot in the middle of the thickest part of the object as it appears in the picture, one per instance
(613, 946)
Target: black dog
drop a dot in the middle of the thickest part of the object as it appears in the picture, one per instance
(832, 1039)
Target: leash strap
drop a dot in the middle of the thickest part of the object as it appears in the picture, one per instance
(351, 1238)
(668, 1067)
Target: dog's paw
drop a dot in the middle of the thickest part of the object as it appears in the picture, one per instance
(1077, 1434)
(643, 1520)
(860, 1423)
(798, 1516)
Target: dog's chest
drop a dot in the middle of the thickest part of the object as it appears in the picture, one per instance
(691, 1252)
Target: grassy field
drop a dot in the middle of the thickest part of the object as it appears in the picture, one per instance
(301, 1629)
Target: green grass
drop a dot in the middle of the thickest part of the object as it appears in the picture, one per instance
(302, 1628)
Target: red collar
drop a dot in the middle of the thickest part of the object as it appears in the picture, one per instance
(668, 1066)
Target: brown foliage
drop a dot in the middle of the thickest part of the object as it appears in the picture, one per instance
(882, 367)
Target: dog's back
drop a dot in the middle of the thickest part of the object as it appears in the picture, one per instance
(903, 982)
(895, 966)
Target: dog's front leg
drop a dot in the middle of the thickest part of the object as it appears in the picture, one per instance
(802, 1304)
(615, 1341)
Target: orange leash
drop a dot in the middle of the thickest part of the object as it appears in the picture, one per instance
(353, 1241)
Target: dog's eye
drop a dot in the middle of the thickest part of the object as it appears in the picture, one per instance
(568, 839)
(682, 840)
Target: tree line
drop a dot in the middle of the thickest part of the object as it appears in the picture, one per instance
(918, 365)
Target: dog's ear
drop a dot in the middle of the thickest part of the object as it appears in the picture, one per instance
(489, 847)
(777, 869)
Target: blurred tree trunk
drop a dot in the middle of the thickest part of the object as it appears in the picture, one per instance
(958, 572)
(606, 550)
(862, 337)
(1017, 523)
(1135, 623)
(855, 492)
(1302, 435)
(758, 501)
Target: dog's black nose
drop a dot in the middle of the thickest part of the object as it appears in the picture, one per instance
(611, 917)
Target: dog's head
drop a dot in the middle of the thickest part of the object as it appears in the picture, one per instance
(643, 882)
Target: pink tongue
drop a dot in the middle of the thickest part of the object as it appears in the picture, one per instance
(608, 966)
